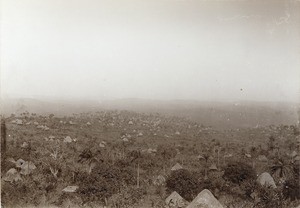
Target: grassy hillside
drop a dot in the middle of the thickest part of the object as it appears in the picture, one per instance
(115, 158)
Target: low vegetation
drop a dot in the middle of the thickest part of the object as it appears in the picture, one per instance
(125, 159)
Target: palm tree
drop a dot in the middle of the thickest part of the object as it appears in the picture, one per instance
(206, 158)
(135, 157)
(89, 158)
(254, 153)
(281, 169)
(271, 143)
(218, 150)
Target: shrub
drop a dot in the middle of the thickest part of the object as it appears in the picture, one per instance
(184, 183)
(166, 152)
(127, 197)
(104, 181)
(269, 197)
(237, 172)
(291, 189)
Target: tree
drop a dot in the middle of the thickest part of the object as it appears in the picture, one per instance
(291, 189)
(237, 172)
(271, 143)
(166, 153)
(254, 153)
(206, 158)
(136, 157)
(184, 183)
(86, 156)
(281, 169)
(3, 137)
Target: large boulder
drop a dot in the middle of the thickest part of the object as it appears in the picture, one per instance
(175, 200)
(265, 179)
(205, 199)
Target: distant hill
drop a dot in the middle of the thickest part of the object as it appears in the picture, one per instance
(57, 107)
(220, 115)
(217, 114)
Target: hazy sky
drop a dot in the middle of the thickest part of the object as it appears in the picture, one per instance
(158, 49)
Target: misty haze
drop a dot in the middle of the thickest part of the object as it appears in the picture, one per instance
(150, 103)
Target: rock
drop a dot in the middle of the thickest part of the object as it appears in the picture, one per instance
(200, 157)
(51, 137)
(68, 139)
(205, 199)
(213, 167)
(262, 158)
(175, 200)
(70, 189)
(297, 158)
(228, 156)
(177, 166)
(24, 145)
(19, 163)
(12, 175)
(17, 121)
(27, 168)
(150, 150)
(159, 180)
(265, 179)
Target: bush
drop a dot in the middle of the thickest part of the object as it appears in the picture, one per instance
(166, 152)
(184, 183)
(237, 172)
(269, 197)
(127, 197)
(291, 189)
(104, 181)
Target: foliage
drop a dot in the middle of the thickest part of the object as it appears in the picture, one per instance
(183, 182)
(104, 181)
(112, 173)
(269, 197)
(127, 197)
(282, 169)
(166, 152)
(291, 189)
(237, 172)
